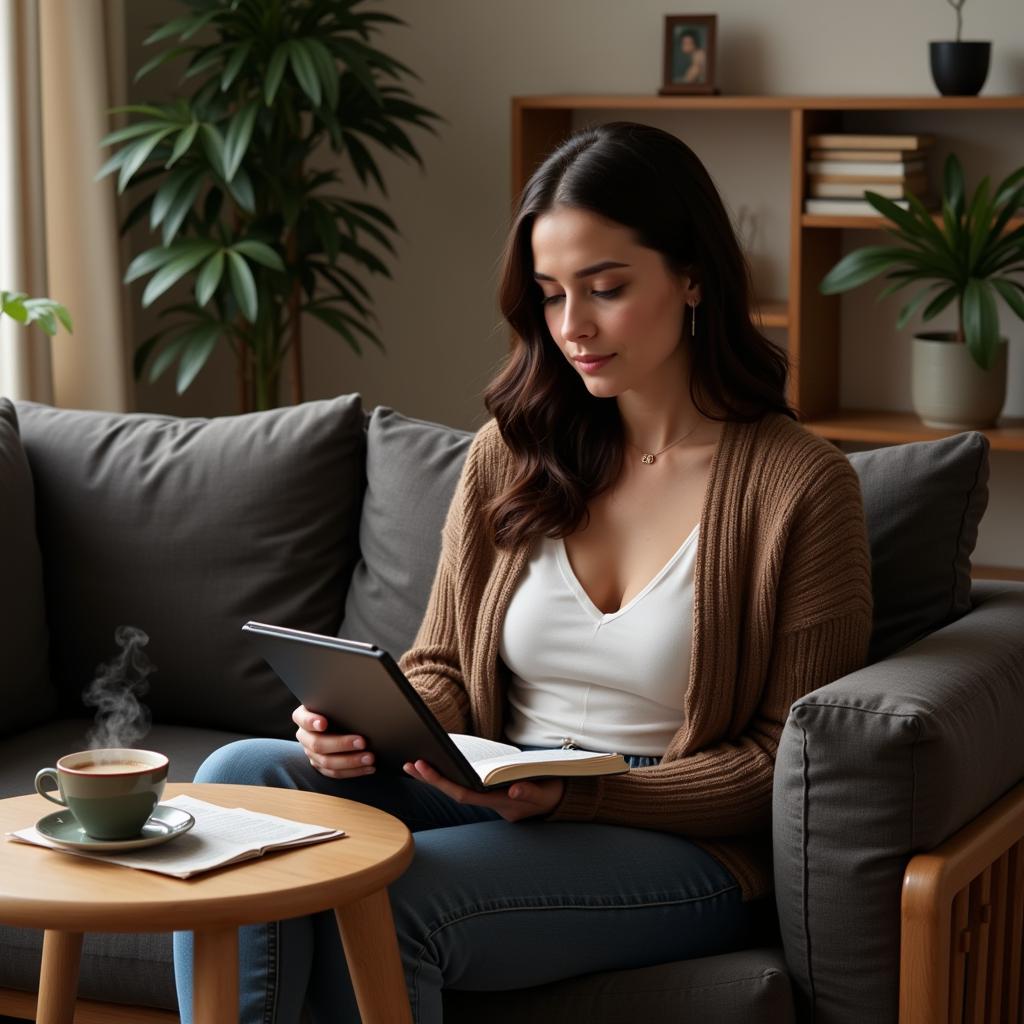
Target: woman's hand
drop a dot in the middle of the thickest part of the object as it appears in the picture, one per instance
(331, 754)
(520, 800)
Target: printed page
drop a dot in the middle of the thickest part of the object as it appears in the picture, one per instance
(221, 835)
(486, 765)
(476, 749)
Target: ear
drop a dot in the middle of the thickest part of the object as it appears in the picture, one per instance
(691, 291)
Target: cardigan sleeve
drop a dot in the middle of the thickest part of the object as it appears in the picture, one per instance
(822, 628)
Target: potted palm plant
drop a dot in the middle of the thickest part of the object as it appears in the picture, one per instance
(969, 256)
(241, 180)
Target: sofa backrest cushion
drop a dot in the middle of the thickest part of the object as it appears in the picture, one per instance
(923, 503)
(186, 528)
(412, 468)
(26, 693)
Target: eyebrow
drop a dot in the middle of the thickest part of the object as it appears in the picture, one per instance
(586, 271)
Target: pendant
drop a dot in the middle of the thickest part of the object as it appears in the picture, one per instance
(647, 460)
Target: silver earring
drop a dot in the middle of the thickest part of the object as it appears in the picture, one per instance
(693, 320)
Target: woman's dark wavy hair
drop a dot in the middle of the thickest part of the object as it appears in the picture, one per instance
(567, 446)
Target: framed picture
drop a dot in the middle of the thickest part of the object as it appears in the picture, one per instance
(689, 54)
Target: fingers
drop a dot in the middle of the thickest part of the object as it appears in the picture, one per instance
(336, 755)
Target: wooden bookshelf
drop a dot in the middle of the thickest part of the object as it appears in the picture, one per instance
(811, 320)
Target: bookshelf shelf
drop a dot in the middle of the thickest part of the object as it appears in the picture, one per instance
(880, 427)
(811, 319)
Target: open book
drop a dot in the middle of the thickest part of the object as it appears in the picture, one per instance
(222, 835)
(500, 763)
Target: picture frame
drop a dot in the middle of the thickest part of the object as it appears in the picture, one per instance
(689, 65)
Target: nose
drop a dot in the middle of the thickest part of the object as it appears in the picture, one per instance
(576, 321)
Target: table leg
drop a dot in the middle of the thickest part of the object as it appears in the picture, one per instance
(215, 976)
(371, 949)
(58, 978)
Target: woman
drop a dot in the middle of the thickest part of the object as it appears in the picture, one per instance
(645, 554)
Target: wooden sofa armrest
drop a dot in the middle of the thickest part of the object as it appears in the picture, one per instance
(962, 920)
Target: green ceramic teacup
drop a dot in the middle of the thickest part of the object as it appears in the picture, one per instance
(112, 792)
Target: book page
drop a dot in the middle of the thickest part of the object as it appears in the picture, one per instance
(476, 749)
(553, 757)
(220, 836)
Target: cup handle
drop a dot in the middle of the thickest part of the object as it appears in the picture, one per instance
(49, 773)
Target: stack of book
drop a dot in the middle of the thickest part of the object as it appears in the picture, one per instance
(841, 168)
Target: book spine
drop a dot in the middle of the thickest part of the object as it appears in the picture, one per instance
(913, 142)
(865, 171)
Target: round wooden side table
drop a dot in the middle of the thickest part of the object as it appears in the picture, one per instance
(67, 896)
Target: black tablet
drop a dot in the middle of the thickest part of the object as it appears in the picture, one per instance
(359, 689)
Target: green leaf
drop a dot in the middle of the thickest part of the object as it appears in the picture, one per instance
(236, 140)
(205, 59)
(213, 146)
(914, 304)
(164, 195)
(209, 277)
(181, 207)
(161, 59)
(940, 302)
(14, 306)
(953, 185)
(196, 351)
(327, 70)
(174, 270)
(143, 351)
(234, 65)
(132, 131)
(149, 261)
(138, 154)
(979, 219)
(181, 145)
(187, 25)
(305, 72)
(981, 322)
(1010, 185)
(64, 317)
(242, 191)
(1012, 293)
(859, 266)
(166, 356)
(275, 71)
(259, 252)
(243, 286)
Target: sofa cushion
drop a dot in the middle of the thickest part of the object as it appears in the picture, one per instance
(412, 468)
(26, 693)
(734, 988)
(186, 528)
(922, 503)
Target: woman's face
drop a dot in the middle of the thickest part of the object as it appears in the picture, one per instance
(612, 306)
(689, 44)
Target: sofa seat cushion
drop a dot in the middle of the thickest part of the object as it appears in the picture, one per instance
(187, 528)
(26, 694)
(923, 503)
(412, 468)
(734, 988)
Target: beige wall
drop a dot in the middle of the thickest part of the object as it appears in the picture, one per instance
(438, 315)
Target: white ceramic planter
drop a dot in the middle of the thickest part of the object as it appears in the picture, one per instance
(949, 389)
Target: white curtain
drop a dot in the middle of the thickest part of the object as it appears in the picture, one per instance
(64, 67)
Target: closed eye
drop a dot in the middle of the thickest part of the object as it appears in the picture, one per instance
(609, 293)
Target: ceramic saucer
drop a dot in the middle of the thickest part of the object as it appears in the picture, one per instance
(165, 823)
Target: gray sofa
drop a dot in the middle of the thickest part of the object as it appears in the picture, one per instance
(325, 518)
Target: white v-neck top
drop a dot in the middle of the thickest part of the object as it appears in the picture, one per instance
(607, 681)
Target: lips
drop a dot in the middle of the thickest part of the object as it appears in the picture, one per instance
(592, 363)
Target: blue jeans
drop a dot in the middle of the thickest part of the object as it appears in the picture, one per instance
(485, 905)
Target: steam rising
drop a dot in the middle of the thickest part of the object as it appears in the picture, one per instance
(121, 721)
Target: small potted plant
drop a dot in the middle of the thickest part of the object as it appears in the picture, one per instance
(44, 312)
(959, 68)
(971, 256)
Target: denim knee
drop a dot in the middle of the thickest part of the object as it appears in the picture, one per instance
(257, 762)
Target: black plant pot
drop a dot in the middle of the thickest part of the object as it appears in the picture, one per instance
(960, 69)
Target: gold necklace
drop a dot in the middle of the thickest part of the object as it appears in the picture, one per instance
(648, 458)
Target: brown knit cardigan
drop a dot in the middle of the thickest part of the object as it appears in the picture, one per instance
(782, 605)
